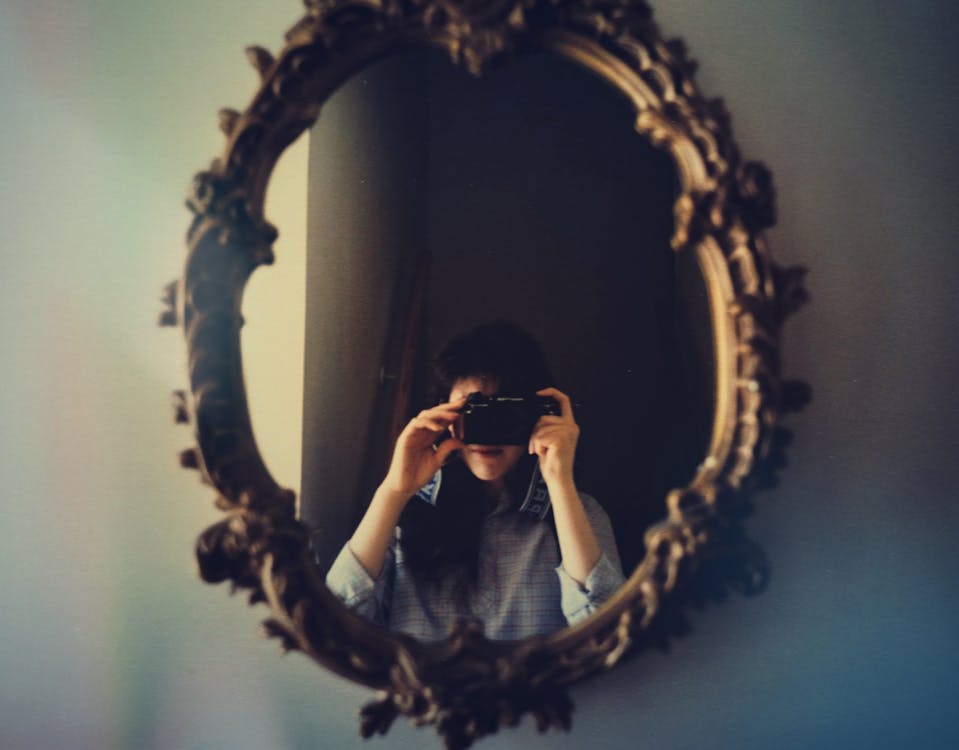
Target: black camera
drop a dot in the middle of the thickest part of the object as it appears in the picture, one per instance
(503, 420)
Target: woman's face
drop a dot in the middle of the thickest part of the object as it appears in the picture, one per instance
(491, 463)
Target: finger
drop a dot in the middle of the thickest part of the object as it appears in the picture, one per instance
(456, 427)
(535, 444)
(565, 407)
(552, 429)
(551, 437)
(539, 448)
(548, 436)
(431, 424)
(440, 411)
(438, 421)
(444, 449)
(454, 403)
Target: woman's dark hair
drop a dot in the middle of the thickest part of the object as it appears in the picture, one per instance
(441, 542)
(501, 351)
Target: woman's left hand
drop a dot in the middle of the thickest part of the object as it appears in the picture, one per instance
(554, 439)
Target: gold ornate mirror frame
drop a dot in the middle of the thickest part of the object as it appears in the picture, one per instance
(468, 686)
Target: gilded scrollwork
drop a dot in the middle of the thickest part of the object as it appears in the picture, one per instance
(468, 687)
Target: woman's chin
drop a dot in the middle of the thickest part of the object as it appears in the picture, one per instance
(488, 475)
(491, 463)
(487, 471)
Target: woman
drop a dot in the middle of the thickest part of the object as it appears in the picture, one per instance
(419, 560)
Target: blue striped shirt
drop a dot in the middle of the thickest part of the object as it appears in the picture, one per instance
(522, 588)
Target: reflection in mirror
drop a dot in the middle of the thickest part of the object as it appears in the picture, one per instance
(438, 201)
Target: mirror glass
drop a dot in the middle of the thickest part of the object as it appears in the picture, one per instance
(437, 201)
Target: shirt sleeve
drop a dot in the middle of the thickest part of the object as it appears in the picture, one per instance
(358, 590)
(577, 600)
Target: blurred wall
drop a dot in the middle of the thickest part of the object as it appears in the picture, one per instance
(108, 640)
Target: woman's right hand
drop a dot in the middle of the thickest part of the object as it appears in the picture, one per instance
(416, 458)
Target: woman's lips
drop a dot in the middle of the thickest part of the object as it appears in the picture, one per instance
(485, 451)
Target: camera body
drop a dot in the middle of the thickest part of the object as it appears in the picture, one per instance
(503, 420)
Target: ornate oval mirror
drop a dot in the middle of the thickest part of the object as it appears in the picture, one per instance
(695, 308)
